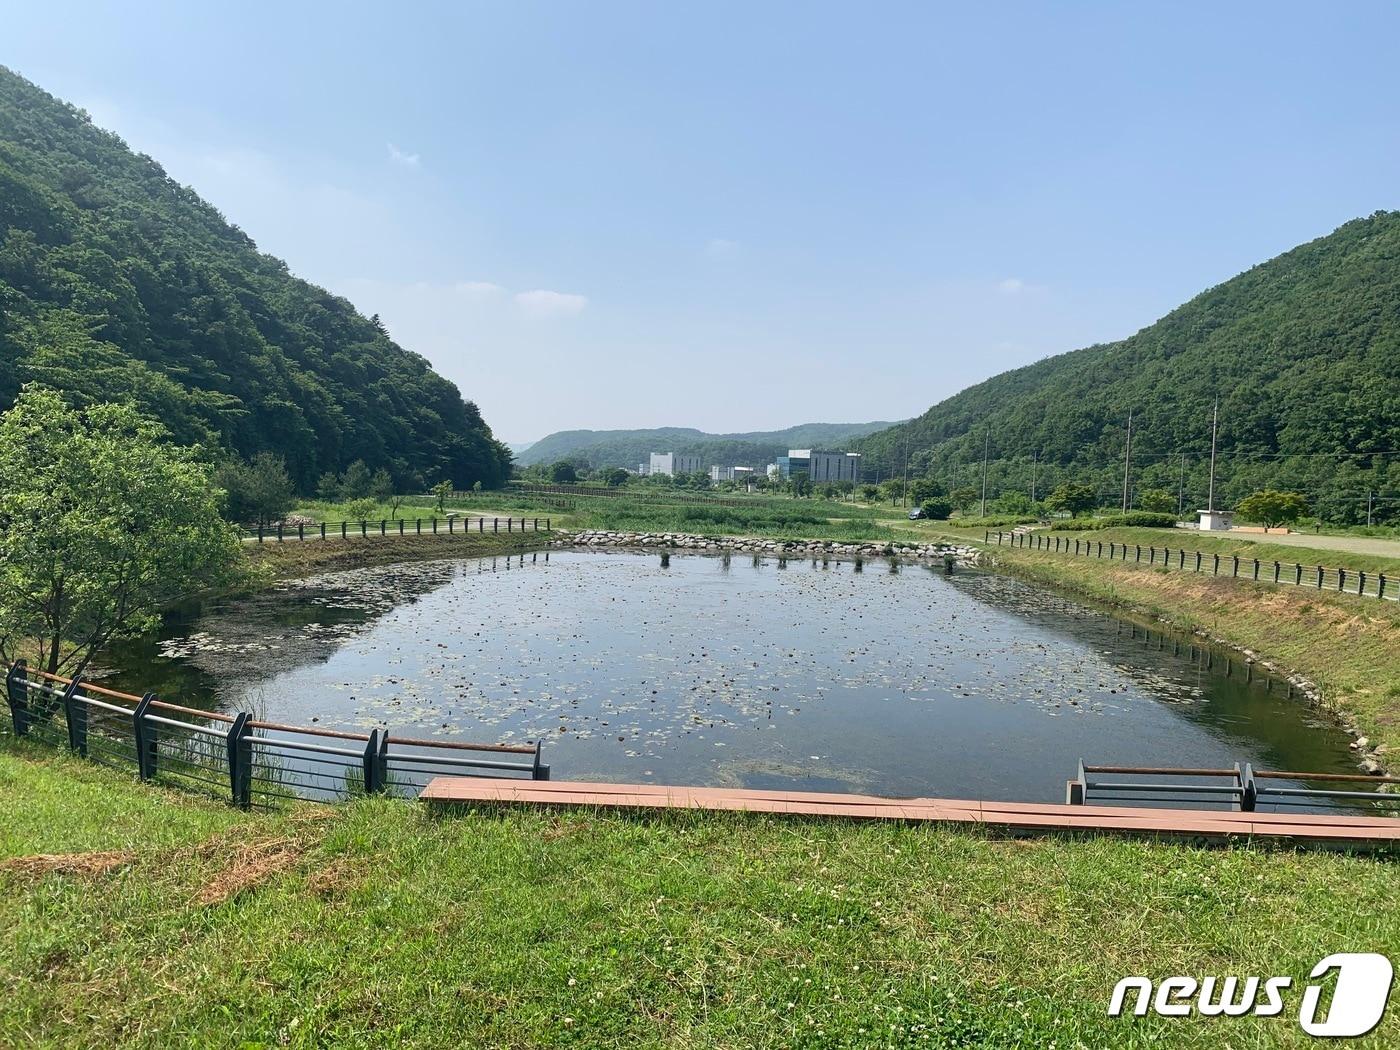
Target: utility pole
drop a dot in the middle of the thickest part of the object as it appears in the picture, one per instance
(1181, 489)
(986, 446)
(1370, 503)
(1214, 429)
(1127, 461)
(904, 489)
(1035, 461)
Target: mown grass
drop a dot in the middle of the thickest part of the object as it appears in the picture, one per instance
(375, 924)
(1346, 645)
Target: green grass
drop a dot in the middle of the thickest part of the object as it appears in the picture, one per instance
(374, 924)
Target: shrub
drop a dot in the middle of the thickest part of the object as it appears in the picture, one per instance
(1134, 519)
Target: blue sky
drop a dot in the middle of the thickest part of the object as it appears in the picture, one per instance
(743, 216)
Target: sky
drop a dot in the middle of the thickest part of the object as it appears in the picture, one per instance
(746, 216)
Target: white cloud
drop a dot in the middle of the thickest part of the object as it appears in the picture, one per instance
(398, 156)
(1012, 285)
(543, 303)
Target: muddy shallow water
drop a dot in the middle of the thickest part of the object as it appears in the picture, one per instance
(891, 679)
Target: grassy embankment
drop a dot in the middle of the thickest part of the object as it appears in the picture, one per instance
(132, 915)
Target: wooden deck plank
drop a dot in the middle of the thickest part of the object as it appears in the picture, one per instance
(1029, 816)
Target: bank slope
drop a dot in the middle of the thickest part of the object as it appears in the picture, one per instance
(117, 282)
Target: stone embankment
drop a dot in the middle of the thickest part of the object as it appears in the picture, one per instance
(758, 545)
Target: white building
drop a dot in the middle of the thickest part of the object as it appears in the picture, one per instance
(820, 467)
(673, 463)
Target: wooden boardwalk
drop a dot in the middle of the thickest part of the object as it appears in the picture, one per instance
(1337, 829)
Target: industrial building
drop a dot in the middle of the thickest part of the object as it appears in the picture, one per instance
(820, 467)
(673, 463)
(718, 473)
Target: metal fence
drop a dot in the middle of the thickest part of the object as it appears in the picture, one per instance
(344, 530)
(1241, 787)
(1299, 574)
(256, 762)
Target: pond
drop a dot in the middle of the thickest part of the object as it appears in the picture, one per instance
(880, 677)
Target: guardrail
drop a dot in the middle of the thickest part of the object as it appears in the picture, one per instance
(257, 762)
(344, 530)
(1319, 577)
(1241, 787)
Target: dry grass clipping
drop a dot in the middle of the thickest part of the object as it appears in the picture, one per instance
(83, 865)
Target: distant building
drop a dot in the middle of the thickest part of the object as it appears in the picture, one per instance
(820, 467)
(718, 473)
(673, 463)
(774, 472)
(1216, 520)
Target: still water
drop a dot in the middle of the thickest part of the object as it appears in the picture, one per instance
(884, 678)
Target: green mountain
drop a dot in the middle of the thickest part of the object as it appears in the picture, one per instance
(1303, 352)
(116, 282)
(627, 448)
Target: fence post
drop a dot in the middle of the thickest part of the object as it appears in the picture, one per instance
(364, 529)
(76, 716)
(342, 529)
(1215, 571)
(1380, 586)
(1249, 791)
(1341, 579)
(1110, 551)
(540, 770)
(383, 526)
(240, 760)
(1298, 574)
(451, 524)
(301, 530)
(418, 526)
(17, 693)
(374, 773)
(323, 530)
(495, 524)
(279, 532)
(146, 738)
(480, 524)
(546, 525)
(435, 525)
(260, 533)
(1256, 568)
(1276, 571)
(1361, 583)
(1198, 561)
(1319, 577)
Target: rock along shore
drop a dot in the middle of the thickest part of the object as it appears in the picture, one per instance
(758, 545)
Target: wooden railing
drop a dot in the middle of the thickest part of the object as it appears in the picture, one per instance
(257, 762)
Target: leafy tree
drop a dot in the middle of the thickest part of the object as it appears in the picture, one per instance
(328, 486)
(1072, 497)
(441, 491)
(563, 473)
(1159, 501)
(938, 507)
(870, 493)
(965, 498)
(360, 509)
(259, 492)
(923, 489)
(383, 490)
(800, 483)
(105, 522)
(357, 482)
(892, 489)
(615, 476)
(1271, 508)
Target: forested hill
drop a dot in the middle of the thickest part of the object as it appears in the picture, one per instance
(1303, 352)
(627, 448)
(118, 283)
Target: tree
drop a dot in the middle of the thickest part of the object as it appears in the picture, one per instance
(356, 482)
(964, 498)
(1072, 497)
(892, 489)
(105, 522)
(800, 483)
(563, 473)
(441, 491)
(615, 477)
(1270, 507)
(870, 493)
(923, 489)
(259, 492)
(328, 486)
(938, 507)
(1159, 501)
(383, 490)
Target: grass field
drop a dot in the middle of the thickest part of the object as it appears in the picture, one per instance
(133, 916)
